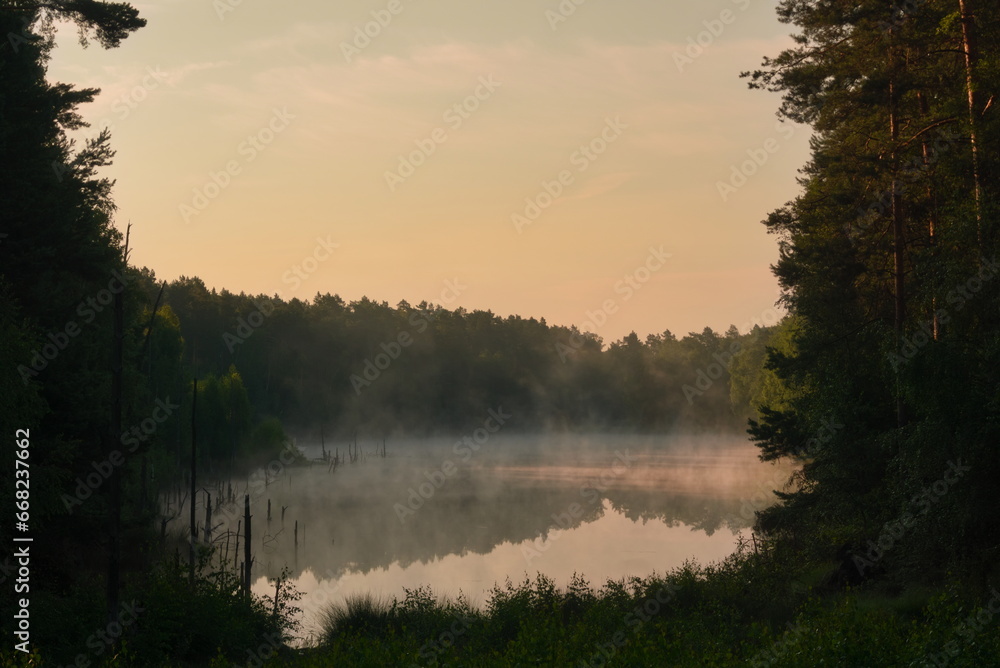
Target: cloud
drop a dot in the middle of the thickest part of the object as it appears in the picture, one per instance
(177, 75)
(599, 186)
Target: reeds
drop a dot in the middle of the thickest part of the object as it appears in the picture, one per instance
(362, 614)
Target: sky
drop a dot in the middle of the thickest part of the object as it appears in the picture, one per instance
(591, 163)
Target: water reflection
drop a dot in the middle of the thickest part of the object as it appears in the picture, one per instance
(604, 507)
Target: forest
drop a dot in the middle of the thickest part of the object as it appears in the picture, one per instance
(880, 379)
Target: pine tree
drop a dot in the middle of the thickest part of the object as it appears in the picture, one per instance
(874, 255)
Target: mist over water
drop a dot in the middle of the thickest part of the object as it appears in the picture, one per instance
(460, 517)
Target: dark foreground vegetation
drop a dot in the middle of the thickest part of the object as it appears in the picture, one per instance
(883, 382)
(751, 610)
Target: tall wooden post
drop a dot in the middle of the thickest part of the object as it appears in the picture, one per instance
(248, 560)
(208, 518)
(194, 470)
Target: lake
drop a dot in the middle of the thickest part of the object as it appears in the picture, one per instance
(461, 519)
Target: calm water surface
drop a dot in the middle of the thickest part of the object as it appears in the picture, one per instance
(461, 521)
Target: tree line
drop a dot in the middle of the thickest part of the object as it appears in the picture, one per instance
(883, 382)
(889, 266)
(101, 361)
(365, 366)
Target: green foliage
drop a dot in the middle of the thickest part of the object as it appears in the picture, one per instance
(882, 383)
(225, 420)
(753, 382)
(362, 614)
(747, 610)
(888, 268)
(268, 439)
(367, 367)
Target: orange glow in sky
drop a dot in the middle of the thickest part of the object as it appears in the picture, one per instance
(526, 157)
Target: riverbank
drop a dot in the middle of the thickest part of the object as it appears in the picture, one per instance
(749, 610)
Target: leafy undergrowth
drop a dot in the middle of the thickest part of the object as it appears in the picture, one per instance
(742, 612)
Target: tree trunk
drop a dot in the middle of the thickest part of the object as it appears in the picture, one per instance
(970, 45)
(932, 222)
(898, 229)
(114, 437)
